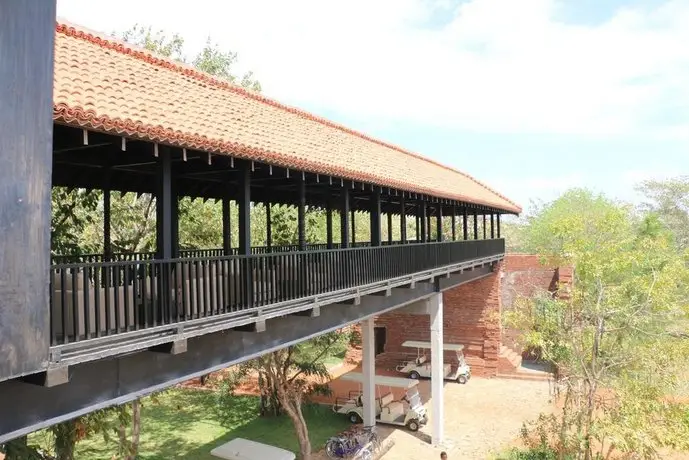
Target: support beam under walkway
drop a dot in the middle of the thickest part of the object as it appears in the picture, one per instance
(97, 384)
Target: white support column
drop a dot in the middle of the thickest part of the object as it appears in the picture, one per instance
(435, 305)
(368, 368)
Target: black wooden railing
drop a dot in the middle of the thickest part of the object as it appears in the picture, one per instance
(93, 299)
(212, 252)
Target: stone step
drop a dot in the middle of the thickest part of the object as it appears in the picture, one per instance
(524, 376)
(510, 358)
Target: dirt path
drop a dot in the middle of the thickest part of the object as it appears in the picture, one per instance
(481, 418)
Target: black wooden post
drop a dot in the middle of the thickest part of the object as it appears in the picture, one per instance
(164, 201)
(484, 226)
(428, 225)
(498, 222)
(226, 226)
(424, 222)
(244, 230)
(353, 227)
(374, 212)
(174, 215)
(329, 224)
(301, 211)
(107, 207)
(389, 228)
(465, 224)
(269, 228)
(475, 225)
(164, 234)
(344, 219)
(244, 205)
(418, 227)
(27, 31)
(492, 225)
(403, 220)
(439, 222)
(454, 223)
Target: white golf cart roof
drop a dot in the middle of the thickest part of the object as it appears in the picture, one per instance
(382, 380)
(244, 449)
(427, 345)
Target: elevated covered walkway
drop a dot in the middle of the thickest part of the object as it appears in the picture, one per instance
(83, 331)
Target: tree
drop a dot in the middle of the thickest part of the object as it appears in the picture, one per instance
(288, 376)
(72, 211)
(669, 200)
(609, 340)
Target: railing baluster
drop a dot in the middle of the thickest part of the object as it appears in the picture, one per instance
(64, 304)
(116, 295)
(145, 294)
(97, 289)
(75, 303)
(157, 307)
(125, 289)
(200, 306)
(135, 297)
(211, 287)
(87, 303)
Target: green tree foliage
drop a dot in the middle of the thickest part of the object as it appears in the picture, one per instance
(220, 63)
(73, 210)
(669, 201)
(609, 340)
(288, 376)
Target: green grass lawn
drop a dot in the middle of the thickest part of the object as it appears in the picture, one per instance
(335, 359)
(185, 424)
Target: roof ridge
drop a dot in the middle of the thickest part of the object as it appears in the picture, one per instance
(108, 42)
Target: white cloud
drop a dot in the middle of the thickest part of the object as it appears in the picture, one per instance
(494, 65)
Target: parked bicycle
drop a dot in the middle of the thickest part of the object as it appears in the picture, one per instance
(359, 444)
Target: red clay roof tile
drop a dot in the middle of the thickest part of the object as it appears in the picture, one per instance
(103, 84)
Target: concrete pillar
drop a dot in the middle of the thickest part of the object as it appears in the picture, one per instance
(437, 403)
(368, 369)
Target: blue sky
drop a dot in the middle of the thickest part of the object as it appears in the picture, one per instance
(530, 96)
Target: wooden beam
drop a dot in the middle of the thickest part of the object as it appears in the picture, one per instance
(27, 31)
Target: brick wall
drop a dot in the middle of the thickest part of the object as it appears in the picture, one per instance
(472, 314)
(524, 275)
(471, 317)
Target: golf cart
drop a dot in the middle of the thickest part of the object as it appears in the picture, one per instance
(407, 412)
(458, 370)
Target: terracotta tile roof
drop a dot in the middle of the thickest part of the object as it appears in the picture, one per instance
(104, 84)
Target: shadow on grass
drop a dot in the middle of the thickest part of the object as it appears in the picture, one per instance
(188, 424)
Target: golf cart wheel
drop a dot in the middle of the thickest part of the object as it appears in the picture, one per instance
(354, 417)
(414, 375)
(462, 379)
(413, 425)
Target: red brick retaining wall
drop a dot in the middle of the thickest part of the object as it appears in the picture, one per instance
(471, 317)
